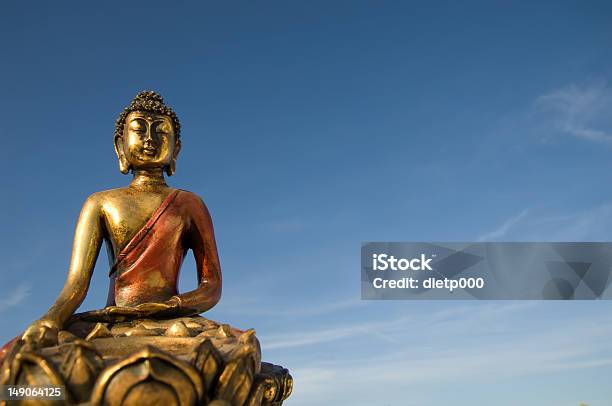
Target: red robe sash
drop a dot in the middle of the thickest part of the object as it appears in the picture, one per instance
(147, 268)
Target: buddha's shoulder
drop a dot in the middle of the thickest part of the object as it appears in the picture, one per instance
(111, 196)
(190, 196)
(104, 195)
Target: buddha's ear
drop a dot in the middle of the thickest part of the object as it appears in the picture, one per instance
(170, 169)
(124, 165)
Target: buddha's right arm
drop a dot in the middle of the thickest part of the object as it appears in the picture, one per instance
(88, 238)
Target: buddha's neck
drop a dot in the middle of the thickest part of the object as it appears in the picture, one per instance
(148, 179)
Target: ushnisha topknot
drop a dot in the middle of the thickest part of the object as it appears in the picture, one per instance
(151, 101)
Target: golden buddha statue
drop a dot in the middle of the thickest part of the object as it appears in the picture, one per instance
(148, 227)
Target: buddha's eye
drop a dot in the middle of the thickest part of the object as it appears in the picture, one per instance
(163, 128)
(136, 126)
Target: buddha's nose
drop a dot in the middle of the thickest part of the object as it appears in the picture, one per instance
(148, 137)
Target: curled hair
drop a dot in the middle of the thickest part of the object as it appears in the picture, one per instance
(150, 101)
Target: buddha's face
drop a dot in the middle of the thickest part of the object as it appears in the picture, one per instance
(148, 140)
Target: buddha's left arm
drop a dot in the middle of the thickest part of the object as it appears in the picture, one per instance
(85, 249)
(201, 240)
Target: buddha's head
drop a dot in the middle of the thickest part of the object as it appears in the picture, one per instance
(147, 135)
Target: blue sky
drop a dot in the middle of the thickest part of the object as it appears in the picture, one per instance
(309, 127)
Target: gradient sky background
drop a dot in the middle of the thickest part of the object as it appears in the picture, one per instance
(309, 127)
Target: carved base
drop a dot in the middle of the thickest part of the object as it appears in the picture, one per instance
(187, 361)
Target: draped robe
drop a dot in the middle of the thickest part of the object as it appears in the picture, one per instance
(148, 267)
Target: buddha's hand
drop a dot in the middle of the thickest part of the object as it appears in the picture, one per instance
(120, 313)
(162, 309)
(41, 333)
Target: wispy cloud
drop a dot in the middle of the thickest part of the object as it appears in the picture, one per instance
(503, 229)
(407, 370)
(580, 110)
(393, 329)
(15, 297)
(591, 224)
(464, 354)
(254, 307)
(300, 339)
